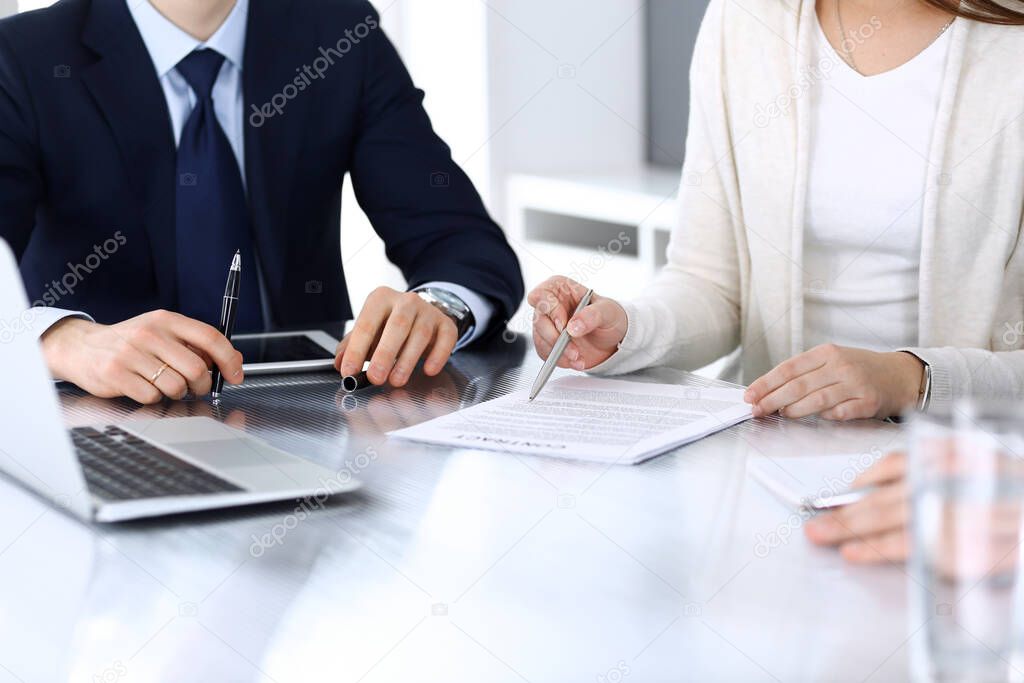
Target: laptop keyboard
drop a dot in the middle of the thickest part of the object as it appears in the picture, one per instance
(121, 466)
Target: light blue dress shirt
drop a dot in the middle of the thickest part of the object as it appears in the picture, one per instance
(167, 45)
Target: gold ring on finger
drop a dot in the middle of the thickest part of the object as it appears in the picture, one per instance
(156, 375)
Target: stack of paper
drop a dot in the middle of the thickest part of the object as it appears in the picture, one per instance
(586, 418)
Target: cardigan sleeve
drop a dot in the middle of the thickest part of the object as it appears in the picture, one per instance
(961, 372)
(995, 373)
(964, 373)
(689, 315)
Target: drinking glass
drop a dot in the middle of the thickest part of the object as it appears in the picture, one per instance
(966, 482)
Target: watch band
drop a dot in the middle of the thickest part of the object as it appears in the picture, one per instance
(924, 394)
(452, 306)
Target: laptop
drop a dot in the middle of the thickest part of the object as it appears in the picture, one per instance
(126, 470)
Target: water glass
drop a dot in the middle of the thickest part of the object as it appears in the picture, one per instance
(966, 479)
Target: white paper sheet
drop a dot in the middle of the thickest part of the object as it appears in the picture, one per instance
(587, 418)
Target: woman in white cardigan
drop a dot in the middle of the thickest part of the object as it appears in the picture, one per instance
(850, 215)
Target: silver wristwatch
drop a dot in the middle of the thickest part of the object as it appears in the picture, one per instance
(924, 392)
(452, 306)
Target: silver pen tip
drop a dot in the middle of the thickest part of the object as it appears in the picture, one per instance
(236, 261)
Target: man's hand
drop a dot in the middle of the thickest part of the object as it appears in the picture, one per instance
(838, 383)
(393, 331)
(120, 360)
(596, 331)
(874, 529)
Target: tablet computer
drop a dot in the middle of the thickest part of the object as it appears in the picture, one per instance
(280, 352)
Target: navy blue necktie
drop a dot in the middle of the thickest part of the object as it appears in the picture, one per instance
(212, 217)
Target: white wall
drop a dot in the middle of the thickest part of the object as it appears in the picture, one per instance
(444, 45)
(566, 87)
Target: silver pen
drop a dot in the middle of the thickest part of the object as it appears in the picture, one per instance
(558, 349)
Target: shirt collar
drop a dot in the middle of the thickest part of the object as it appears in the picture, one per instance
(167, 44)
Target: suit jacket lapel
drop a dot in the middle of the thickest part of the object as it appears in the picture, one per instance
(272, 143)
(124, 84)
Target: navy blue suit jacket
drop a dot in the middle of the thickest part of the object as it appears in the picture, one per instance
(87, 155)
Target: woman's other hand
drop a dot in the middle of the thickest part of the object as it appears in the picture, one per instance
(838, 383)
(874, 529)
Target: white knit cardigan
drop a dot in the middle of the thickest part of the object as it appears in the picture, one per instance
(734, 273)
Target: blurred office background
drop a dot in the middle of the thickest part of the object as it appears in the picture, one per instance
(569, 116)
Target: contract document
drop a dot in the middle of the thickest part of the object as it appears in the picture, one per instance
(587, 418)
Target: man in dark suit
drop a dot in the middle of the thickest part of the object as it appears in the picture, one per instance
(143, 142)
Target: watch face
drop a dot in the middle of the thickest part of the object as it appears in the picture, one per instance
(449, 299)
(456, 305)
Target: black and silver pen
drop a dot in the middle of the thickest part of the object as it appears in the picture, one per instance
(227, 316)
(353, 383)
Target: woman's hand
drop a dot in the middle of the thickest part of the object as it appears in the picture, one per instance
(874, 529)
(838, 383)
(596, 331)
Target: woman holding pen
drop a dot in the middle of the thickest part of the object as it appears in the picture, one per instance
(849, 214)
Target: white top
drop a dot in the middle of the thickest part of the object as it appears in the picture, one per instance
(735, 262)
(868, 164)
